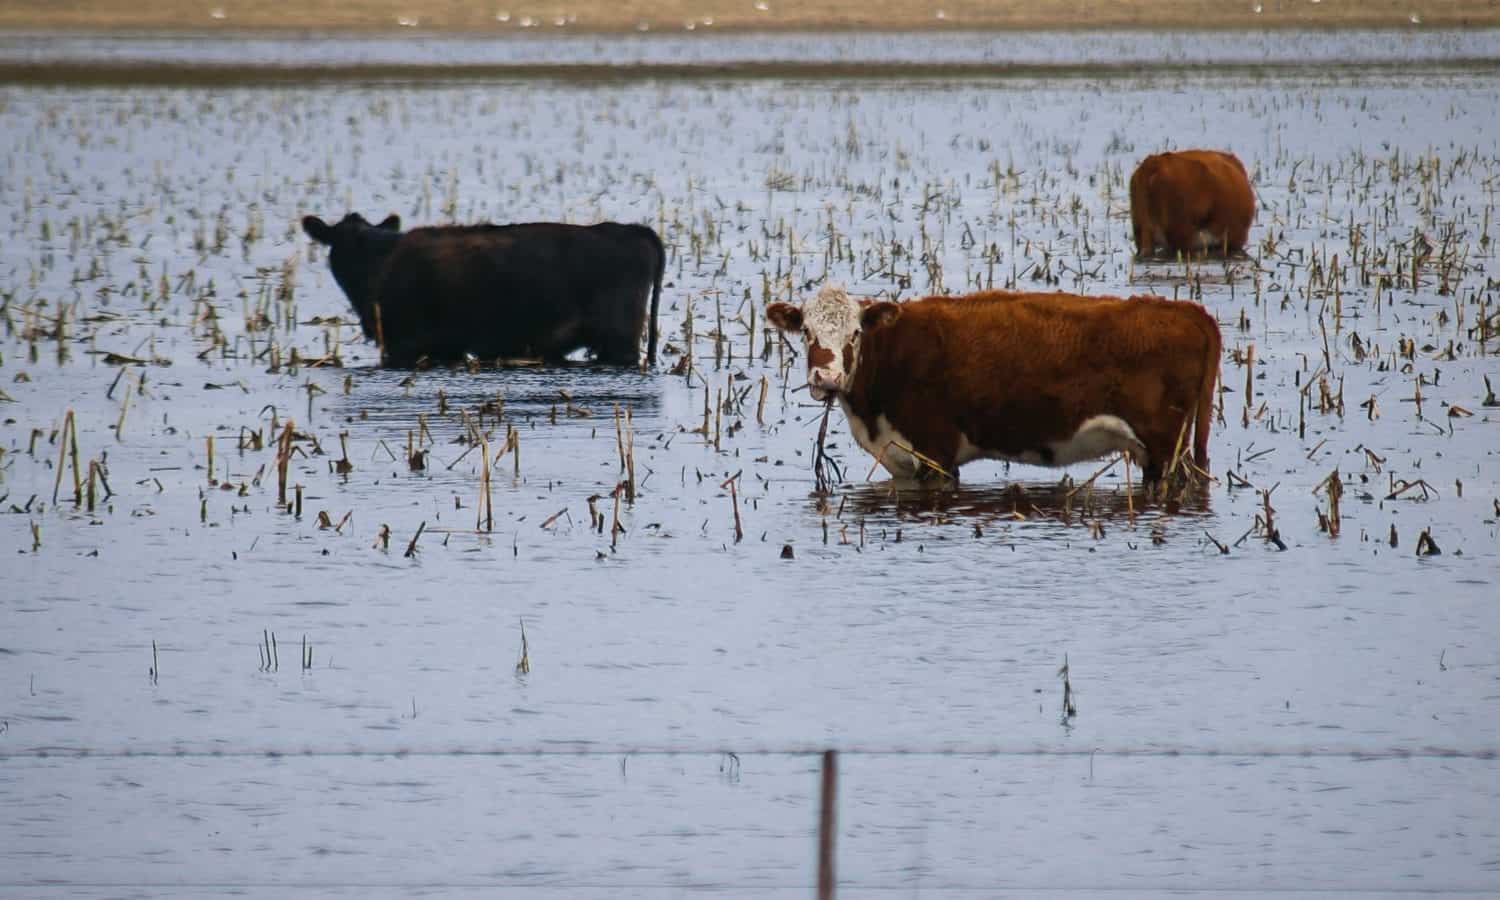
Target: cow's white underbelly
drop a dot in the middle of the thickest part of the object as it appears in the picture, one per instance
(1097, 437)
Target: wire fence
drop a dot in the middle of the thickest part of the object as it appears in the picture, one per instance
(1328, 751)
(822, 883)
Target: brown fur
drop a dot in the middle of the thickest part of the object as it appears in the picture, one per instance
(1174, 197)
(1016, 371)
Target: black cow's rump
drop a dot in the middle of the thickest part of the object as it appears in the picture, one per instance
(498, 291)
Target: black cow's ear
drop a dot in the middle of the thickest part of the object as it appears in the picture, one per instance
(877, 314)
(392, 223)
(317, 229)
(784, 316)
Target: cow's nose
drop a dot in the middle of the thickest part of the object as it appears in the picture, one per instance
(828, 381)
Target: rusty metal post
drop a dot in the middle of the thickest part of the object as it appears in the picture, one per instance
(826, 825)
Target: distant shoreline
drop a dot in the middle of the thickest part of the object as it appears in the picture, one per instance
(261, 57)
(212, 74)
(600, 17)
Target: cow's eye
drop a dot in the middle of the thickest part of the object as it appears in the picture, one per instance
(857, 333)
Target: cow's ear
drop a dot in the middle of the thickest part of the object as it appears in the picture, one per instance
(784, 316)
(317, 229)
(392, 223)
(877, 314)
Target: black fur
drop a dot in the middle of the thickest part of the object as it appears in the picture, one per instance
(498, 291)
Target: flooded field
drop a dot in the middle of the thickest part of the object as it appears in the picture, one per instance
(1280, 686)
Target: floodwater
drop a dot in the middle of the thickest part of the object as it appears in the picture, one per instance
(1319, 718)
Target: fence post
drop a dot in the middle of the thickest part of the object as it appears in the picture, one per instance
(826, 826)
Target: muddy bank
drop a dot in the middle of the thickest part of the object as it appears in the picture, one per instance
(735, 15)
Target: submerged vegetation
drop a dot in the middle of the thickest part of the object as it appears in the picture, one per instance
(154, 234)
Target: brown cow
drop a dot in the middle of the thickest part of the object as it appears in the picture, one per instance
(1191, 201)
(1048, 379)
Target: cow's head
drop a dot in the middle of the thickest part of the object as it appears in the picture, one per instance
(355, 251)
(832, 325)
(351, 229)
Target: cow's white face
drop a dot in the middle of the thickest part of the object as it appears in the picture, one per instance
(831, 324)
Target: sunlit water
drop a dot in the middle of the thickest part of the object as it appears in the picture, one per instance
(1316, 719)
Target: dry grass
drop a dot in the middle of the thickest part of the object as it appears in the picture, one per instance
(502, 16)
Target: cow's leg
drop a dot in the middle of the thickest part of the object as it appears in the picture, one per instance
(1158, 240)
(437, 342)
(1181, 237)
(1236, 237)
(905, 464)
(618, 353)
(1211, 242)
(894, 450)
(1142, 234)
(927, 475)
(1157, 450)
(405, 351)
(400, 355)
(900, 464)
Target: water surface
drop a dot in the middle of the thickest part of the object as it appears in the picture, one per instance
(1319, 718)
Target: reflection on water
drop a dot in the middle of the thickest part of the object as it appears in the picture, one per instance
(577, 391)
(1066, 502)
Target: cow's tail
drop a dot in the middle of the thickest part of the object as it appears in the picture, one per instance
(1140, 218)
(661, 269)
(1203, 421)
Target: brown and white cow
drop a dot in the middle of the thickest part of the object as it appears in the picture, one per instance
(1042, 378)
(1191, 201)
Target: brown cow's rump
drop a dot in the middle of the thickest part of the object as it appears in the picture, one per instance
(1191, 201)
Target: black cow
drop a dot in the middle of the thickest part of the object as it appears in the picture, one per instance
(498, 291)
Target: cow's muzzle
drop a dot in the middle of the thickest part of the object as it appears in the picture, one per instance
(822, 384)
